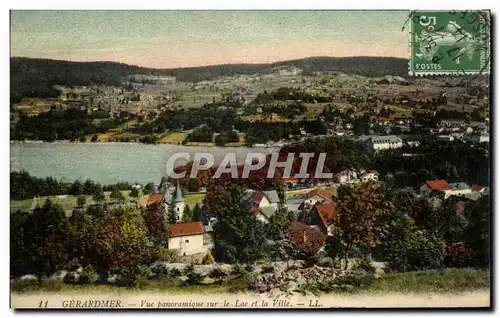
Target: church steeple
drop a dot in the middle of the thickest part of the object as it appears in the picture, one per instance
(178, 194)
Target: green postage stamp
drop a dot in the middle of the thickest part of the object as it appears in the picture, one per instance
(449, 42)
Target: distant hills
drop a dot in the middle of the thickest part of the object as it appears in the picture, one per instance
(36, 77)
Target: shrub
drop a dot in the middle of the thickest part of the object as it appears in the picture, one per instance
(51, 285)
(188, 269)
(24, 285)
(166, 255)
(267, 269)
(237, 270)
(70, 278)
(326, 262)
(217, 273)
(73, 265)
(207, 281)
(249, 268)
(143, 273)
(208, 259)
(160, 271)
(87, 275)
(364, 263)
(194, 278)
(357, 280)
(175, 272)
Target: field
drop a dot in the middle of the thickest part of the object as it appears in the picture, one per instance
(192, 198)
(172, 137)
(68, 202)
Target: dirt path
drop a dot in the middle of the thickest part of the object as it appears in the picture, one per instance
(480, 298)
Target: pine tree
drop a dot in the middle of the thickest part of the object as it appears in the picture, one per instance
(237, 235)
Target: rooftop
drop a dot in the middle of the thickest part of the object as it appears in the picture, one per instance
(327, 213)
(182, 229)
(154, 198)
(272, 196)
(385, 139)
(459, 186)
(438, 185)
(320, 192)
(307, 239)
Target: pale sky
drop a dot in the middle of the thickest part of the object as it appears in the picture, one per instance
(165, 39)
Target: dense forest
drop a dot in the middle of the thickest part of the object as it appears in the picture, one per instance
(36, 77)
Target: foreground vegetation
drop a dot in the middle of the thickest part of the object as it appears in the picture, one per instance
(450, 281)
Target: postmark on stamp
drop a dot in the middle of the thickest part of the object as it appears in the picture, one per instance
(449, 42)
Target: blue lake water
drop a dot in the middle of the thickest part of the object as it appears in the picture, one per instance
(106, 163)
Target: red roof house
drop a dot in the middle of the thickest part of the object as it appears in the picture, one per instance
(327, 213)
(438, 185)
(182, 229)
(307, 239)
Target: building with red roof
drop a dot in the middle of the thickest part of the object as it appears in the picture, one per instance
(186, 238)
(307, 239)
(431, 186)
(324, 215)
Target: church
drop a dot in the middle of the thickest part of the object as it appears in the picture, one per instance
(168, 199)
(186, 238)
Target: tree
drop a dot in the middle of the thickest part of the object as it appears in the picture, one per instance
(117, 195)
(197, 213)
(187, 215)
(98, 196)
(148, 188)
(21, 248)
(134, 193)
(478, 230)
(157, 225)
(81, 200)
(360, 209)
(119, 241)
(76, 188)
(410, 248)
(237, 235)
(276, 223)
(50, 231)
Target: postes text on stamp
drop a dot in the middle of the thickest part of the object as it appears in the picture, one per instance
(449, 42)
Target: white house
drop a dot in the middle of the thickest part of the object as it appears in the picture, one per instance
(345, 176)
(317, 196)
(384, 142)
(445, 138)
(369, 176)
(436, 186)
(460, 188)
(186, 238)
(265, 203)
(481, 137)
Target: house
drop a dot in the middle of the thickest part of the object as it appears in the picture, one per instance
(444, 138)
(477, 188)
(308, 240)
(369, 176)
(293, 203)
(481, 137)
(460, 188)
(435, 186)
(324, 216)
(318, 195)
(345, 176)
(378, 143)
(187, 238)
(265, 203)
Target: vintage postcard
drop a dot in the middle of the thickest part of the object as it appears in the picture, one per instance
(250, 159)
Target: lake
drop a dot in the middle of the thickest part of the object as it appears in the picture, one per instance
(107, 163)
